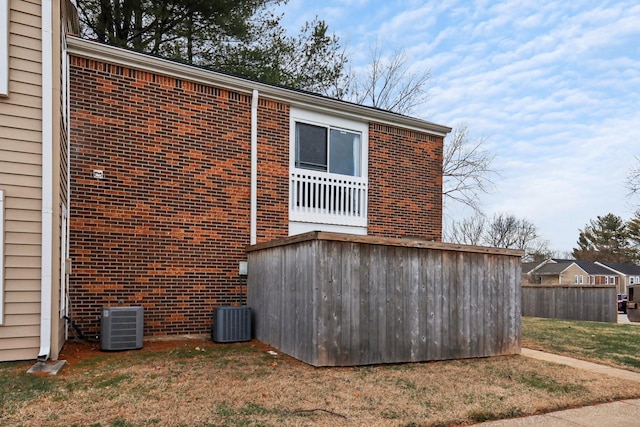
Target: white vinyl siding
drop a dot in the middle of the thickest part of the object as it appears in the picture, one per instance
(4, 47)
(1, 257)
(21, 181)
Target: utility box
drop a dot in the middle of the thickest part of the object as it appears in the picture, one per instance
(231, 324)
(121, 328)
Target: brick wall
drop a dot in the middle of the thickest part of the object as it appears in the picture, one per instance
(273, 170)
(405, 183)
(168, 224)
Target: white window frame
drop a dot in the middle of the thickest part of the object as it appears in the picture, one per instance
(1, 257)
(4, 48)
(301, 221)
(330, 122)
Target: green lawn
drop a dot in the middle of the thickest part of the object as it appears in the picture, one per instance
(607, 343)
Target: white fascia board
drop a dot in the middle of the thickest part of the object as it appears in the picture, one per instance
(573, 263)
(101, 52)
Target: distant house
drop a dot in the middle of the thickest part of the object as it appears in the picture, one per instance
(529, 266)
(569, 272)
(629, 274)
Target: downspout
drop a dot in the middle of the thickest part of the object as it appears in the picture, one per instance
(46, 286)
(254, 168)
(67, 95)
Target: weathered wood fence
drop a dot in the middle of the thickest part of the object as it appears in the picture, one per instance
(332, 299)
(593, 302)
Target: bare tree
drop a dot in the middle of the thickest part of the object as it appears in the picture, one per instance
(507, 231)
(467, 168)
(389, 84)
(633, 180)
(502, 231)
(469, 231)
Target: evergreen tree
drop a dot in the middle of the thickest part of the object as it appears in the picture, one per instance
(605, 239)
(239, 37)
(633, 228)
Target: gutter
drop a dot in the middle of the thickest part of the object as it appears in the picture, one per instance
(46, 285)
(254, 168)
(142, 61)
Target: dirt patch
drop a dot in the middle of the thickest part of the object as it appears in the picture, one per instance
(81, 352)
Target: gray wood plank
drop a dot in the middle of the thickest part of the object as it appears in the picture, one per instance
(351, 301)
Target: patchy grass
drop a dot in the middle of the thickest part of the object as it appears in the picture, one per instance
(606, 343)
(199, 383)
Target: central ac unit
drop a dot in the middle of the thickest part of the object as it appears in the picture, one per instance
(231, 324)
(121, 328)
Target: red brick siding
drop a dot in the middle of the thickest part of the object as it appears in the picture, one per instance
(168, 224)
(170, 221)
(405, 183)
(273, 170)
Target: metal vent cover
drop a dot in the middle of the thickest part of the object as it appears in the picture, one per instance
(121, 328)
(231, 324)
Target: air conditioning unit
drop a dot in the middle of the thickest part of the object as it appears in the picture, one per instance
(231, 324)
(121, 328)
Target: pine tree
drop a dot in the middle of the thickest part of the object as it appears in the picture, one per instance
(605, 239)
(239, 37)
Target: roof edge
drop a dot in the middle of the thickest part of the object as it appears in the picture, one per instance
(120, 56)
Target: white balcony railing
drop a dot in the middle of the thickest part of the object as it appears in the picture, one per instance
(326, 198)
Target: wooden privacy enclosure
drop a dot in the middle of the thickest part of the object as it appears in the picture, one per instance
(333, 299)
(597, 303)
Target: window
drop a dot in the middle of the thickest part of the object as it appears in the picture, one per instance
(327, 149)
(4, 47)
(328, 172)
(575, 279)
(631, 280)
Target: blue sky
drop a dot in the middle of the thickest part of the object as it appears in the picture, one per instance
(554, 87)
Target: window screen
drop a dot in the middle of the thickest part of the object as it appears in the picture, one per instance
(311, 147)
(328, 150)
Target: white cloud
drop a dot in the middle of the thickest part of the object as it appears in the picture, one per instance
(552, 85)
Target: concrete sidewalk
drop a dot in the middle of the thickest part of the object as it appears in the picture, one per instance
(620, 413)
